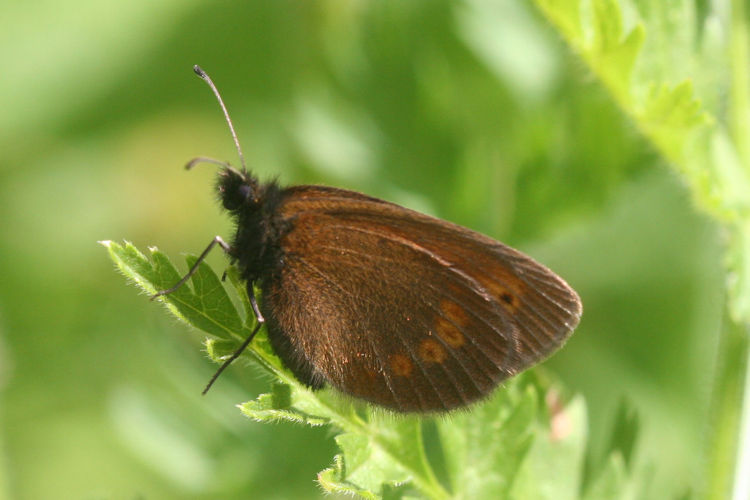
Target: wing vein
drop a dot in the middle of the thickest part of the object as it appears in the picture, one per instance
(436, 310)
(380, 357)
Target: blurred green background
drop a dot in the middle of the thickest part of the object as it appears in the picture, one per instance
(472, 111)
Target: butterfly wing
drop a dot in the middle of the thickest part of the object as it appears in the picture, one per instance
(404, 310)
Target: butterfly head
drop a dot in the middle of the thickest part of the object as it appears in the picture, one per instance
(238, 190)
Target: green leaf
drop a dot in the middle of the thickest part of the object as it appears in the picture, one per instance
(276, 406)
(367, 466)
(668, 116)
(565, 14)
(334, 480)
(367, 460)
(554, 466)
(206, 307)
(607, 23)
(485, 448)
(610, 483)
(617, 63)
(708, 146)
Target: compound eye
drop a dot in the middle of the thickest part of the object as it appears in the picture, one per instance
(245, 192)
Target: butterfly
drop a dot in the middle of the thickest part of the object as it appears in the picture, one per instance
(383, 303)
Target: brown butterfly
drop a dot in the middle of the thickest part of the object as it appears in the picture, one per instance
(383, 303)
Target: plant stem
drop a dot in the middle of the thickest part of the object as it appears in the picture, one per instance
(741, 489)
(739, 126)
(726, 422)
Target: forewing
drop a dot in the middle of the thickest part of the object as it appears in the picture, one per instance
(407, 311)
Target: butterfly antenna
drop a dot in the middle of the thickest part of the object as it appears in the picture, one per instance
(199, 71)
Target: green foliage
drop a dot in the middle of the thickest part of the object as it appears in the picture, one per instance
(382, 455)
(709, 147)
(687, 134)
(526, 121)
(510, 446)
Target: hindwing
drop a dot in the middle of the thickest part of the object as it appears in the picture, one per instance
(403, 309)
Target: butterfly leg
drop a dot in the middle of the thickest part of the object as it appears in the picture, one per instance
(216, 241)
(241, 348)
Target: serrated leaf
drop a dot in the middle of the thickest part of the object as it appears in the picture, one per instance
(133, 264)
(565, 14)
(402, 437)
(618, 62)
(553, 468)
(669, 113)
(219, 349)
(367, 466)
(367, 461)
(485, 447)
(607, 24)
(275, 407)
(333, 480)
(206, 307)
(610, 483)
(241, 288)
